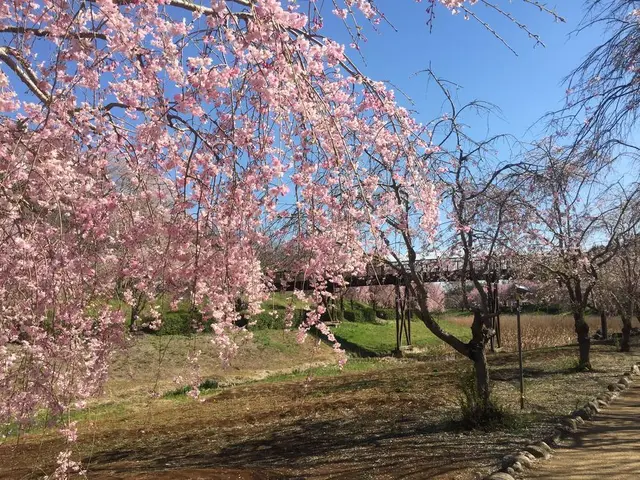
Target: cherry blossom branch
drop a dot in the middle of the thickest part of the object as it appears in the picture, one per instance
(38, 32)
(520, 25)
(14, 61)
(489, 28)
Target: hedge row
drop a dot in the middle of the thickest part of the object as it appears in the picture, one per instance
(185, 322)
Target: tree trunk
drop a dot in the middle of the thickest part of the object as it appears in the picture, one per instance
(479, 358)
(132, 318)
(626, 334)
(603, 325)
(482, 375)
(584, 342)
(474, 349)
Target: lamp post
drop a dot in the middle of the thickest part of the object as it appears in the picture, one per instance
(520, 290)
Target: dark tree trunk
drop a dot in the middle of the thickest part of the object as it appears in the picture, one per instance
(132, 318)
(479, 358)
(625, 345)
(603, 325)
(584, 342)
(482, 375)
(473, 350)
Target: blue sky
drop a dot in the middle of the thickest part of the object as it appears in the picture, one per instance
(525, 87)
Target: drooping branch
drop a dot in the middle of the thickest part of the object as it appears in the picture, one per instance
(41, 32)
(13, 60)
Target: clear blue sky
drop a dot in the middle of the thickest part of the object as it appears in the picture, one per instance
(525, 87)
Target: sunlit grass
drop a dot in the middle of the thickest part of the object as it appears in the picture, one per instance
(540, 330)
(380, 338)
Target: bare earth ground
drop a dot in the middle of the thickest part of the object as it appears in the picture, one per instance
(607, 447)
(382, 418)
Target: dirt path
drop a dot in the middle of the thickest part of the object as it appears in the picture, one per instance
(607, 447)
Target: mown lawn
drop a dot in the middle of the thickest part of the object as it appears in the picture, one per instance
(380, 338)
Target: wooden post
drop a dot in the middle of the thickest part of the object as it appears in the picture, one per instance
(603, 324)
(520, 351)
(399, 320)
(497, 319)
(407, 302)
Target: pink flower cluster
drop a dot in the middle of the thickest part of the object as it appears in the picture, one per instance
(159, 150)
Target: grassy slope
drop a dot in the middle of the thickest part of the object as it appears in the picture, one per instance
(151, 363)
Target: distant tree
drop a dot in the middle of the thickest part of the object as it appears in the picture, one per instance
(479, 206)
(575, 226)
(620, 280)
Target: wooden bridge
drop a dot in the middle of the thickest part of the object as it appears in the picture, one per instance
(429, 271)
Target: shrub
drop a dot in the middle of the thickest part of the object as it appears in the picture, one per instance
(209, 384)
(475, 414)
(359, 312)
(386, 313)
(361, 315)
(274, 319)
(268, 319)
(178, 322)
(186, 322)
(369, 315)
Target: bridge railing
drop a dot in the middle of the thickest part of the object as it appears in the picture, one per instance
(430, 271)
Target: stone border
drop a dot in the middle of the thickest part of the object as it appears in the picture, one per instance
(516, 464)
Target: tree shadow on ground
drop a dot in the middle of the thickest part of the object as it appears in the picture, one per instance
(512, 374)
(408, 448)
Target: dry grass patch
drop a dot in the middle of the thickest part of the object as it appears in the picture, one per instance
(540, 331)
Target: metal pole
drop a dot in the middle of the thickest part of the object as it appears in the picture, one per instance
(520, 352)
(493, 310)
(498, 338)
(397, 322)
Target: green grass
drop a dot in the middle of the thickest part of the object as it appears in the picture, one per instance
(273, 340)
(381, 338)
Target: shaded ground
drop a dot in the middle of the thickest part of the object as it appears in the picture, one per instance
(607, 447)
(383, 418)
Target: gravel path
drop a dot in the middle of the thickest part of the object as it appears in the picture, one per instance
(608, 447)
